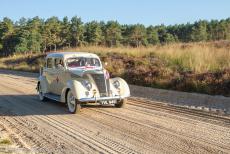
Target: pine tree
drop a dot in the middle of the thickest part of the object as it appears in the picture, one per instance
(76, 31)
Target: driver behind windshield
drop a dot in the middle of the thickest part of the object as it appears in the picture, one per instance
(83, 62)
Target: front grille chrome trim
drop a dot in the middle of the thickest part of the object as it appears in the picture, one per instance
(100, 81)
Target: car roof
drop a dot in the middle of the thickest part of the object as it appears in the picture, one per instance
(66, 55)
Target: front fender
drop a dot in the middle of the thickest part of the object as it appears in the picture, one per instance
(76, 87)
(124, 87)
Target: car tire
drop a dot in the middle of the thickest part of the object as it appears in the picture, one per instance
(41, 94)
(73, 105)
(121, 103)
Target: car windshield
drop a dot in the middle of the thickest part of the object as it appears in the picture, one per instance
(83, 62)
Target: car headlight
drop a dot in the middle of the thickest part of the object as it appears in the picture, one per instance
(87, 84)
(116, 84)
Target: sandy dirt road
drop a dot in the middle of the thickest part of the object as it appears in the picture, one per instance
(140, 127)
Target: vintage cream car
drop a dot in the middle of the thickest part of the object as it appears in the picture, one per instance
(78, 78)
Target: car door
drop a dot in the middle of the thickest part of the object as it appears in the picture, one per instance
(50, 74)
(59, 75)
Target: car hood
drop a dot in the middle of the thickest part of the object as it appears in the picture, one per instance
(80, 72)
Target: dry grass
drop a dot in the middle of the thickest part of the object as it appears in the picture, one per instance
(129, 51)
(196, 57)
(22, 62)
(5, 141)
(202, 57)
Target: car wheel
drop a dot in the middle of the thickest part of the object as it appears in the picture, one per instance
(73, 105)
(121, 103)
(41, 94)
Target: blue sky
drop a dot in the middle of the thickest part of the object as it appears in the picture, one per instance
(147, 12)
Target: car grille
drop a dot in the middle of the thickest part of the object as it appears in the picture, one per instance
(101, 83)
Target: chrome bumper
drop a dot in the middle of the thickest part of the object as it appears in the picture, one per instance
(95, 99)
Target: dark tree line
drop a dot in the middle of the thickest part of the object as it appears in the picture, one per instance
(39, 35)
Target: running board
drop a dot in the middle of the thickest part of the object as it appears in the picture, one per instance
(53, 96)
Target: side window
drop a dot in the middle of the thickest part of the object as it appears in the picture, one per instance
(58, 61)
(49, 63)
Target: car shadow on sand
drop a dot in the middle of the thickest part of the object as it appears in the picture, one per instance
(25, 105)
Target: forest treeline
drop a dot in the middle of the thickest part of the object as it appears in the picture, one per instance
(39, 35)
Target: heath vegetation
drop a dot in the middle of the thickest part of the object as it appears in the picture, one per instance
(193, 67)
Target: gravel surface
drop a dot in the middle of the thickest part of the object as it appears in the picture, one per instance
(143, 126)
(204, 102)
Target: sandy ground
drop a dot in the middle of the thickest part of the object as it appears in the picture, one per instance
(141, 127)
(11, 143)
